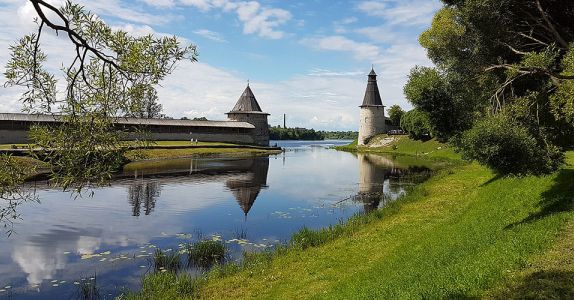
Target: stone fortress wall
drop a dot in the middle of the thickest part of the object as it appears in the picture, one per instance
(245, 125)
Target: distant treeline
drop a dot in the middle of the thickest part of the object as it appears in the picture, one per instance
(280, 133)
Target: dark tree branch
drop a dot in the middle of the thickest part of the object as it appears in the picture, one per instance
(78, 40)
(530, 71)
(550, 26)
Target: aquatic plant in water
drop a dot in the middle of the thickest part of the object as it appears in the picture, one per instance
(87, 289)
(205, 253)
(166, 261)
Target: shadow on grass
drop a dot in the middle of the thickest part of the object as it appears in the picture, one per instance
(550, 284)
(491, 180)
(559, 198)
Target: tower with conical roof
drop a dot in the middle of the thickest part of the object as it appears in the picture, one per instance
(248, 110)
(372, 116)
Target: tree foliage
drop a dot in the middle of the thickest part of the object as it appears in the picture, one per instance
(500, 57)
(416, 123)
(12, 175)
(112, 75)
(395, 114)
(280, 133)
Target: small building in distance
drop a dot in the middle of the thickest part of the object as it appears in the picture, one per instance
(372, 116)
(246, 124)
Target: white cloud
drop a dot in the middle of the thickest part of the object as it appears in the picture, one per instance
(159, 3)
(256, 19)
(198, 89)
(211, 35)
(361, 51)
(137, 30)
(403, 12)
(380, 34)
(114, 8)
(329, 73)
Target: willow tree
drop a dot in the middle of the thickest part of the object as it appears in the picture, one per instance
(112, 74)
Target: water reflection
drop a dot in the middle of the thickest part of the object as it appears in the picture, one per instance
(64, 239)
(244, 177)
(246, 188)
(145, 193)
(381, 180)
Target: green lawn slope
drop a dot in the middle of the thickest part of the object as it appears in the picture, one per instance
(464, 233)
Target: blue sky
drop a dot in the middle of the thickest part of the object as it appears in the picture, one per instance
(306, 58)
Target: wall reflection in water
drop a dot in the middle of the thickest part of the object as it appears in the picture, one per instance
(244, 177)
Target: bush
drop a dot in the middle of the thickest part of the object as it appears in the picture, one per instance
(416, 124)
(507, 147)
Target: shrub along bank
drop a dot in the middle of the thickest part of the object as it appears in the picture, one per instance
(464, 233)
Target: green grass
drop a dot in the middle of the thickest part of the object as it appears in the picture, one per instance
(463, 233)
(206, 253)
(403, 145)
(143, 154)
(195, 149)
(11, 146)
(166, 261)
(188, 143)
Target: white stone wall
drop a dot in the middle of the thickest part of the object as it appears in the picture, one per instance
(261, 131)
(21, 137)
(372, 121)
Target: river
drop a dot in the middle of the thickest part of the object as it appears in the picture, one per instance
(252, 204)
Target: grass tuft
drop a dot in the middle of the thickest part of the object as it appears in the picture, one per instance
(206, 253)
(166, 261)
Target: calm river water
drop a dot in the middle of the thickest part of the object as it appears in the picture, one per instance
(250, 203)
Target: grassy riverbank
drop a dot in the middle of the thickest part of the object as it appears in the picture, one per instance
(463, 233)
(403, 145)
(172, 149)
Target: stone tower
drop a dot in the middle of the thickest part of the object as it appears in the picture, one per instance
(248, 110)
(372, 112)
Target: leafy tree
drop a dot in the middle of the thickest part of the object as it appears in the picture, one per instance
(430, 91)
(416, 123)
(340, 135)
(395, 114)
(113, 74)
(278, 133)
(145, 104)
(495, 57)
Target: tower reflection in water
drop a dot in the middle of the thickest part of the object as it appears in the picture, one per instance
(244, 177)
(382, 180)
